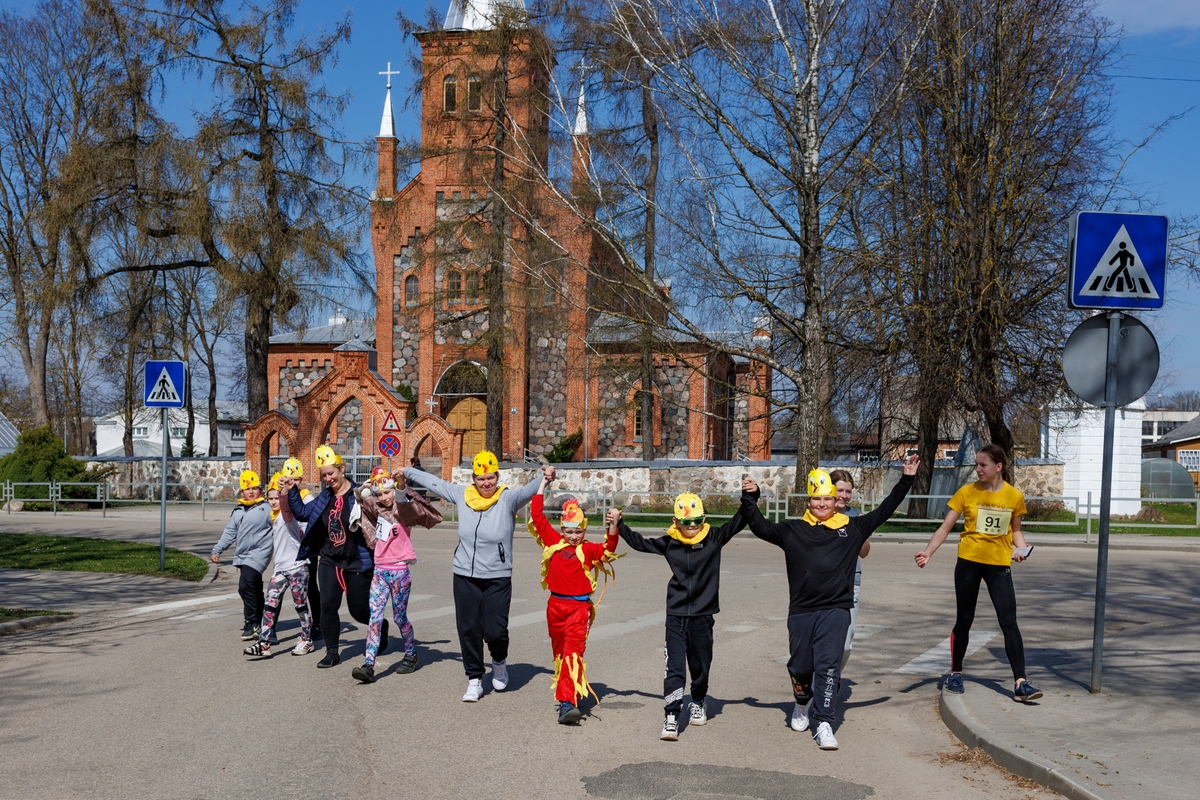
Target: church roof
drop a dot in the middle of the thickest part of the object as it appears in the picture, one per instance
(611, 329)
(477, 15)
(336, 333)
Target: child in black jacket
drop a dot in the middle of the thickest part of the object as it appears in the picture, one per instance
(693, 550)
(821, 550)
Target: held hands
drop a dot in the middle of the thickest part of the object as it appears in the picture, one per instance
(548, 474)
(286, 484)
(910, 467)
(612, 517)
(748, 485)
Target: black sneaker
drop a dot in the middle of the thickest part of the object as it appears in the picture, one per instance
(365, 673)
(383, 638)
(1025, 692)
(954, 684)
(407, 664)
(249, 632)
(568, 714)
(330, 660)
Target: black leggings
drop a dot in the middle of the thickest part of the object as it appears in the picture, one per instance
(358, 594)
(967, 575)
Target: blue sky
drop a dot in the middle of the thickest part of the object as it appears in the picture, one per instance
(1161, 48)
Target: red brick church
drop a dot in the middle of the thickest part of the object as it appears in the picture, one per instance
(568, 366)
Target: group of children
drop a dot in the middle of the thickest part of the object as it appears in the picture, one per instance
(822, 552)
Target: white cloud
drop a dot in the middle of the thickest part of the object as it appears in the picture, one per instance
(1146, 16)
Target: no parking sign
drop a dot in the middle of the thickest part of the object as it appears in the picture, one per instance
(389, 445)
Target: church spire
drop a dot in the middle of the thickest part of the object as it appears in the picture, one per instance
(477, 15)
(387, 126)
(581, 123)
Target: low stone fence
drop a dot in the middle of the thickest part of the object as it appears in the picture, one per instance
(140, 478)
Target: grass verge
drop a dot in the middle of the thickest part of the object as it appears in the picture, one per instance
(13, 614)
(36, 551)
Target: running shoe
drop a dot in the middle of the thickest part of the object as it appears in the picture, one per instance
(824, 737)
(670, 731)
(383, 637)
(568, 714)
(364, 674)
(800, 714)
(697, 713)
(1026, 692)
(954, 684)
(258, 650)
(249, 632)
(330, 660)
(474, 691)
(303, 647)
(407, 664)
(500, 675)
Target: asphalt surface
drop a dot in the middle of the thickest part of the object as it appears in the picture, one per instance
(161, 703)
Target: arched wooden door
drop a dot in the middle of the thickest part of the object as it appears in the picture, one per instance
(470, 415)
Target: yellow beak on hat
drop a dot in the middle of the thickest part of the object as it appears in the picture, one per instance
(485, 462)
(688, 506)
(820, 484)
(325, 457)
(249, 480)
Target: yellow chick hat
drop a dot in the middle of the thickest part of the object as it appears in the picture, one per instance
(249, 479)
(273, 484)
(820, 485)
(485, 462)
(325, 457)
(572, 514)
(292, 468)
(688, 506)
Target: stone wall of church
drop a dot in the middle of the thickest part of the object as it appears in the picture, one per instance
(350, 426)
(740, 446)
(295, 379)
(547, 382)
(671, 381)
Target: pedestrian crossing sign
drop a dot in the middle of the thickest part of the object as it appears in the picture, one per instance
(1117, 261)
(164, 384)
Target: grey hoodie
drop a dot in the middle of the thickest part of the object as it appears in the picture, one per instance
(485, 538)
(252, 529)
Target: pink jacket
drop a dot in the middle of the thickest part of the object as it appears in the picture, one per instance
(393, 544)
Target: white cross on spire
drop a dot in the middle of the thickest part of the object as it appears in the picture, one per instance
(389, 73)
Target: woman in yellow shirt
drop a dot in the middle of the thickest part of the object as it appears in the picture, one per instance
(991, 508)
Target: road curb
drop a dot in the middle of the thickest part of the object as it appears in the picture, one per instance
(211, 575)
(1113, 544)
(973, 733)
(32, 622)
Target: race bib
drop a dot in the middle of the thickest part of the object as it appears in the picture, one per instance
(993, 521)
(383, 529)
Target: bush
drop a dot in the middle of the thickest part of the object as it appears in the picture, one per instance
(41, 458)
(1044, 510)
(564, 451)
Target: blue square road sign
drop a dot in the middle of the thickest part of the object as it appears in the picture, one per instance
(165, 387)
(1117, 261)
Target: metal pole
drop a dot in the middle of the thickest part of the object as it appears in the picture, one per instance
(1106, 466)
(162, 517)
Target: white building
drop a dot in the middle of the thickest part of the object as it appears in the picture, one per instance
(1075, 436)
(148, 434)
(1157, 424)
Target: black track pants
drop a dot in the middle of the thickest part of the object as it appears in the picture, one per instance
(314, 592)
(358, 593)
(481, 611)
(817, 640)
(689, 648)
(250, 587)
(967, 575)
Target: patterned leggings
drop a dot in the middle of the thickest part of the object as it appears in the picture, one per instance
(297, 579)
(393, 583)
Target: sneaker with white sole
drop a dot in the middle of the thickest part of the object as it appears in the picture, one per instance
(824, 737)
(474, 691)
(259, 649)
(670, 731)
(799, 721)
(303, 647)
(500, 675)
(697, 713)
(1025, 692)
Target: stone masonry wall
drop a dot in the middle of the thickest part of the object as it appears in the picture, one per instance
(140, 477)
(297, 378)
(350, 426)
(671, 380)
(547, 384)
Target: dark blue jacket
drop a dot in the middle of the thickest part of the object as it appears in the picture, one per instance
(316, 533)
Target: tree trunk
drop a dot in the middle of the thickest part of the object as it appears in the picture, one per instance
(495, 278)
(257, 337)
(213, 447)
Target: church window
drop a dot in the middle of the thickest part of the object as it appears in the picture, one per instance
(637, 417)
(473, 286)
(474, 94)
(454, 287)
(450, 94)
(550, 289)
(410, 290)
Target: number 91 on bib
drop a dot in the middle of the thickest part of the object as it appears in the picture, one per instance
(993, 521)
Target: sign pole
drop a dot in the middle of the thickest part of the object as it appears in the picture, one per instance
(162, 517)
(1110, 424)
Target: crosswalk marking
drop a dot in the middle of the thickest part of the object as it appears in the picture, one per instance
(629, 626)
(433, 613)
(521, 620)
(195, 601)
(936, 659)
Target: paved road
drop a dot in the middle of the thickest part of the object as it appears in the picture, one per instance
(161, 704)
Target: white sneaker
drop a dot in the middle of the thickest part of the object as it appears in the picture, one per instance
(500, 675)
(824, 737)
(474, 691)
(670, 731)
(800, 715)
(697, 713)
(303, 647)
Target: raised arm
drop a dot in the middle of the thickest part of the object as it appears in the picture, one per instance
(296, 504)
(738, 521)
(633, 538)
(432, 483)
(542, 529)
(760, 526)
(520, 497)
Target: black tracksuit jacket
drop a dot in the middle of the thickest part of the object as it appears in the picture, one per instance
(695, 586)
(821, 560)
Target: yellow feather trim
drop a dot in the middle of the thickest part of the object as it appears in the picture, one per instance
(680, 536)
(478, 502)
(834, 522)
